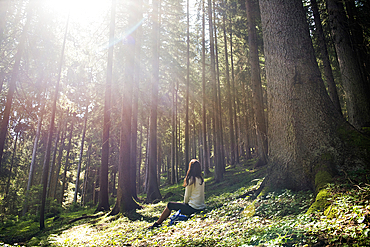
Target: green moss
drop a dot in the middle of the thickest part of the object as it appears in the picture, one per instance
(320, 203)
(250, 210)
(355, 138)
(322, 178)
(331, 212)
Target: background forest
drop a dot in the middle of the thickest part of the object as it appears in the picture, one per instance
(104, 103)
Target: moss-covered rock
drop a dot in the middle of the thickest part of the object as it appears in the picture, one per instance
(321, 202)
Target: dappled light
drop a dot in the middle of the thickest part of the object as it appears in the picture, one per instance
(184, 123)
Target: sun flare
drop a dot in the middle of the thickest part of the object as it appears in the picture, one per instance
(81, 11)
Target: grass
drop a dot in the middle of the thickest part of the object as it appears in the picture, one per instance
(231, 219)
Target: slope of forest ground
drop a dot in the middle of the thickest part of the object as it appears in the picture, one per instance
(232, 218)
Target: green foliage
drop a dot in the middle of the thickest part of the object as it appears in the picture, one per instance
(277, 218)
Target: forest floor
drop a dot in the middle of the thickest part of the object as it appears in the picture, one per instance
(232, 218)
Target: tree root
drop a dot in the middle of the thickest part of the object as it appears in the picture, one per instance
(85, 217)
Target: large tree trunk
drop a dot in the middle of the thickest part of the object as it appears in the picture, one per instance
(260, 123)
(357, 93)
(153, 192)
(125, 202)
(304, 127)
(103, 193)
(328, 72)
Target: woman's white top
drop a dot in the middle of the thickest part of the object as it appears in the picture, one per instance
(194, 194)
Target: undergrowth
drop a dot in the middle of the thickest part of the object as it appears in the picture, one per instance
(233, 219)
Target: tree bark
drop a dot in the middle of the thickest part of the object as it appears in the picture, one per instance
(304, 127)
(357, 94)
(260, 123)
(103, 193)
(125, 202)
(153, 192)
(328, 72)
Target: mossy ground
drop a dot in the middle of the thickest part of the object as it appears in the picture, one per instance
(231, 219)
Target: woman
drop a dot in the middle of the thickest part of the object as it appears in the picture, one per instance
(194, 194)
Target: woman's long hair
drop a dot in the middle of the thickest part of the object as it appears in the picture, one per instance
(195, 171)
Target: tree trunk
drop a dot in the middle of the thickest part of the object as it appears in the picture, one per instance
(152, 188)
(33, 161)
(174, 141)
(219, 130)
(216, 128)
(187, 142)
(66, 165)
(229, 92)
(234, 96)
(260, 123)
(45, 169)
(51, 170)
(12, 164)
(125, 202)
(59, 160)
(137, 69)
(357, 37)
(86, 176)
(304, 127)
(328, 72)
(139, 181)
(81, 153)
(357, 95)
(204, 97)
(103, 193)
(13, 81)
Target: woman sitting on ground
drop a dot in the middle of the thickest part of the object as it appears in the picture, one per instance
(194, 194)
